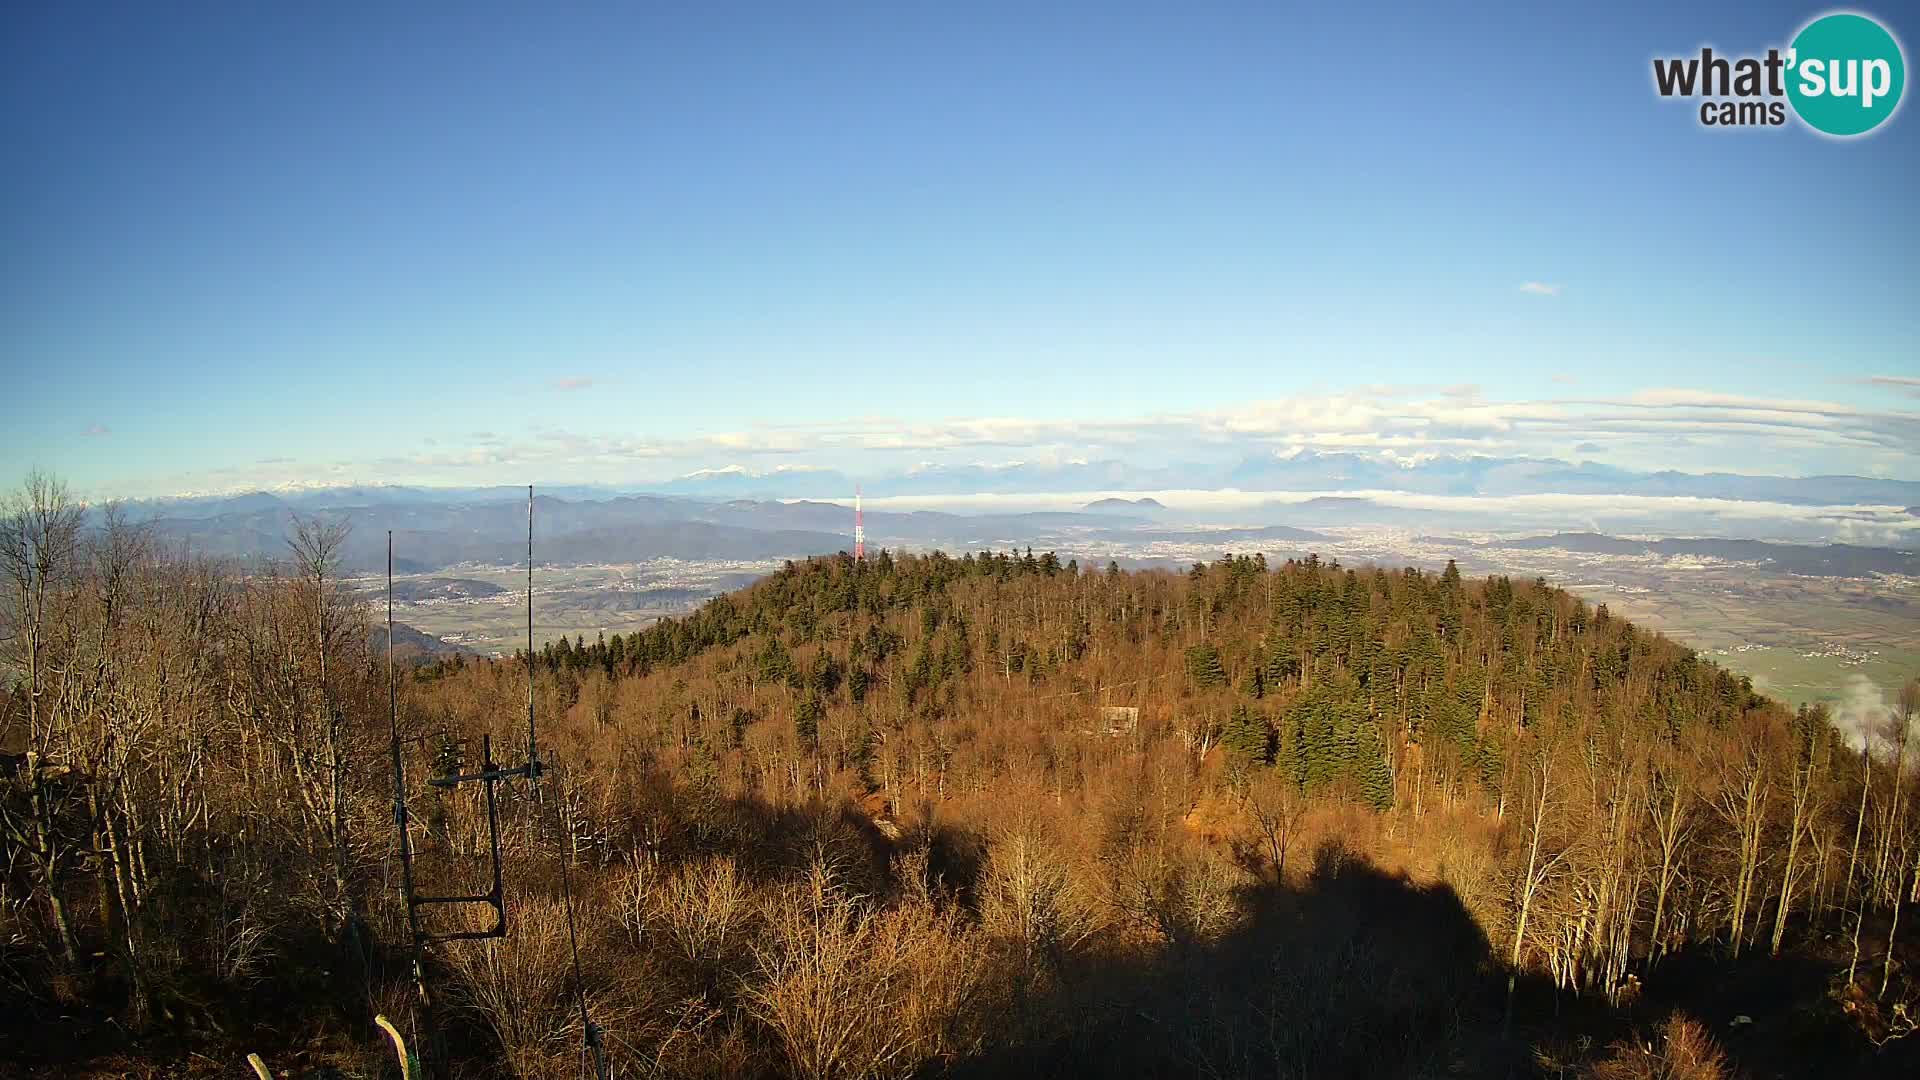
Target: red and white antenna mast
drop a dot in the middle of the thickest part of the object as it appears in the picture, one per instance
(859, 528)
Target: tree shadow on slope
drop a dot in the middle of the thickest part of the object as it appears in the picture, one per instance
(1777, 1016)
(1355, 973)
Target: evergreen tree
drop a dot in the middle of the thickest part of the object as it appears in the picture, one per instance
(1204, 667)
(807, 715)
(1374, 776)
(1282, 661)
(776, 666)
(1255, 684)
(1247, 738)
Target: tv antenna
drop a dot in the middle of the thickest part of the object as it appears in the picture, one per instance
(490, 775)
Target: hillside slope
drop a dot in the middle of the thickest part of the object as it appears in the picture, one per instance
(987, 816)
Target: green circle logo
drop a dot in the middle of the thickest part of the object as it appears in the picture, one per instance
(1844, 74)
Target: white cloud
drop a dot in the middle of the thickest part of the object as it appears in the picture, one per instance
(97, 431)
(1866, 717)
(1665, 427)
(1540, 288)
(572, 382)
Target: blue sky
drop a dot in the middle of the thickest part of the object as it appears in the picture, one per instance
(242, 245)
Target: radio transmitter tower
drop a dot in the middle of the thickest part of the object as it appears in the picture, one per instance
(859, 529)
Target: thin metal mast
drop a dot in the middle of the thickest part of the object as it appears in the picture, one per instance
(859, 528)
(399, 769)
(489, 774)
(593, 1053)
(533, 756)
(417, 939)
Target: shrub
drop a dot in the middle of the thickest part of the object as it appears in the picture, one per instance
(1683, 1051)
(854, 992)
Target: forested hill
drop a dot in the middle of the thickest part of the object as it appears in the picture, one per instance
(1332, 674)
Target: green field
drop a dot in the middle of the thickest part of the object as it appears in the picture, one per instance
(1799, 640)
(1790, 676)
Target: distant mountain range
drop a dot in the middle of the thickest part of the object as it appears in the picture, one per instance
(1307, 471)
(431, 533)
(319, 498)
(1822, 560)
(1145, 505)
(434, 531)
(1275, 498)
(1225, 537)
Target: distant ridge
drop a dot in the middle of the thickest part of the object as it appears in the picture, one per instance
(1145, 502)
(1292, 471)
(432, 537)
(411, 591)
(1230, 537)
(411, 646)
(1812, 560)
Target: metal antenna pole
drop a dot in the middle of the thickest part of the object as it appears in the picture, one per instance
(490, 774)
(592, 1050)
(406, 838)
(533, 756)
(399, 770)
